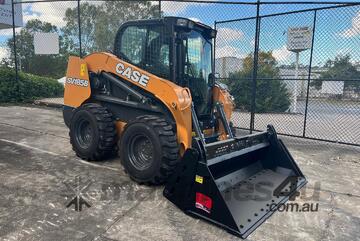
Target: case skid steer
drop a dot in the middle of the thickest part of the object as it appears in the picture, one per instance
(155, 101)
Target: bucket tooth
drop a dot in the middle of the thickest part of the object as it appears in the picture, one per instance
(236, 184)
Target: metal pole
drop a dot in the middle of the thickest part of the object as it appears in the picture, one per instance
(214, 52)
(309, 74)
(255, 68)
(79, 22)
(295, 81)
(14, 37)
(160, 9)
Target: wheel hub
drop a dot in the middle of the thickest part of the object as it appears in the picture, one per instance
(84, 133)
(141, 152)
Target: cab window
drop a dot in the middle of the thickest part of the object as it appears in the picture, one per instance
(148, 48)
(132, 44)
(157, 52)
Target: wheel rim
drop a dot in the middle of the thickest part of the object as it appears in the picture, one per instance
(84, 133)
(140, 152)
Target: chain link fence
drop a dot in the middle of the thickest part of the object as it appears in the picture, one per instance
(316, 95)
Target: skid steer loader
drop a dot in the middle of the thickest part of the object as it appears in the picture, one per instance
(155, 101)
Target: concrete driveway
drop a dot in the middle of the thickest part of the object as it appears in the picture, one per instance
(38, 169)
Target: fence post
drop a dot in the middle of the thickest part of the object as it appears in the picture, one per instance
(14, 37)
(255, 68)
(79, 22)
(309, 74)
(214, 51)
(160, 9)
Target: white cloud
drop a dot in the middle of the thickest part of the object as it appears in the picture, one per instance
(52, 12)
(27, 17)
(229, 51)
(252, 43)
(175, 8)
(227, 35)
(354, 30)
(195, 19)
(281, 54)
(6, 32)
(224, 38)
(4, 53)
(344, 51)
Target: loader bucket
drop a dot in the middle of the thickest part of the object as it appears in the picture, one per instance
(237, 183)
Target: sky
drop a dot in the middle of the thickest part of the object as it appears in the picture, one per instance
(337, 30)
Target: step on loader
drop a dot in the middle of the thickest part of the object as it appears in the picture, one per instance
(156, 103)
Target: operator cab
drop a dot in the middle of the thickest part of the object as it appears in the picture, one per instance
(176, 49)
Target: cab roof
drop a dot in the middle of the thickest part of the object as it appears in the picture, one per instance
(174, 21)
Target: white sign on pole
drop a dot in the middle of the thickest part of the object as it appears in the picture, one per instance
(6, 20)
(46, 43)
(299, 38)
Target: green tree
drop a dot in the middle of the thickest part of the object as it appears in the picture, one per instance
(340, 68)
(89, 17)
(271, 92)
(44, 65)
(100, 23)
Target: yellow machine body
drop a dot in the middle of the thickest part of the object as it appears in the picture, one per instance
(176, 98)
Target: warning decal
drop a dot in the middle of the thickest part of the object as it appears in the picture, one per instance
(203, 202)
(199, 179)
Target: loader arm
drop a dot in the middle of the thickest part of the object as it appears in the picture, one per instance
(223, 97)
(177, 99)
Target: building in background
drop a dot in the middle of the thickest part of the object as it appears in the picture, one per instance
(224, 66)
(327, 89)
(287, 73)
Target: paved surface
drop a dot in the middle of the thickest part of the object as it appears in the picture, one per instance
(36, 159)
(334, 120)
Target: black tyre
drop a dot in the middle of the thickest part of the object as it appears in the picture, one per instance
(92, 132)
(149, 150)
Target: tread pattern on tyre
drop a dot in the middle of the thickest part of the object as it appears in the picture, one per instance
(107, 133)
(169, 147)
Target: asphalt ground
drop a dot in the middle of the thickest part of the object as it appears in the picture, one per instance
(37, 167)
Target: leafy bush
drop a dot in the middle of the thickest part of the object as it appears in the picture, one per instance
(27, 88)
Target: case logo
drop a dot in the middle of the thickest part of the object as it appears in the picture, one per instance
(132, 75)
